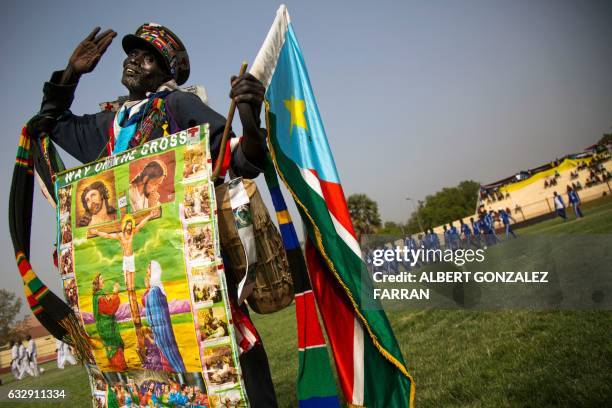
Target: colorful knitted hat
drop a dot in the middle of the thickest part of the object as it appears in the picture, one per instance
(166, 43)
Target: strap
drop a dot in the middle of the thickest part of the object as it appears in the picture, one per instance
(53, 313)
(243, 218)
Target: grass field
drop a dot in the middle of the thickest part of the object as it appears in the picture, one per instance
(457, 358)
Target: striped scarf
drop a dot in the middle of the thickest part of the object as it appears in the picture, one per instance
(53, 313)
(134, 122)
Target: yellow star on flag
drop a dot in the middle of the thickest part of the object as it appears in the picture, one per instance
(296, 107)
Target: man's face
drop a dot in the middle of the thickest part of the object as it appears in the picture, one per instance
(93, 199)
(142, 72)
(128, 228)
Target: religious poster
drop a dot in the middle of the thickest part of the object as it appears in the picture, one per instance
(139, 256)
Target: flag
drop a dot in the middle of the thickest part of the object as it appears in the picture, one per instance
(370, 366)
(315, 381)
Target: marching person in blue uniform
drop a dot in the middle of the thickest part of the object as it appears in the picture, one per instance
(491, 237)
(434, 241)
(467, 234)
(447, 237)
(422, 241)
(411, 244)
(476, 229)
(574, 200)
(506, 220)
(454, 236)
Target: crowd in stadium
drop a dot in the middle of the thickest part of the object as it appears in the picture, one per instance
(597, 172)
(493, 195)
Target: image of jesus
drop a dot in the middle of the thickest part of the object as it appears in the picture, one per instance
(144, 187)
(95, 200)
(126, 239)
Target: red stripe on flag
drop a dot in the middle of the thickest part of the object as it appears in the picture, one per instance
(308, 328)
(336, 203)
(337, 317)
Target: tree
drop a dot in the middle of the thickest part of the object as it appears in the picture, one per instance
(448, 204)
(391, 228)
(10, 305)
(606, 138)
(364, 213)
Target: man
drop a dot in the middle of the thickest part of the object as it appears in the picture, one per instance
(448, 241)
(506, 221)
(559, 206)
(434, 240)
(423, 242)
(143, 187)
(454, 236)
(574, 200)
(15, 363)
(95, 203)
(24, 361)
(490, 227)
(411, 244)
(64, 355)
(32, 354)
(155, 65)
(476, 229)
(467, 234)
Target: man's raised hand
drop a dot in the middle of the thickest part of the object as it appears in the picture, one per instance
(87, 54)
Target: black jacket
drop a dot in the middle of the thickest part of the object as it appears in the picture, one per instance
(85, 137)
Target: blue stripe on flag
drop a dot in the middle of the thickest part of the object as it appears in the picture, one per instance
(290, 238)
(320, 402)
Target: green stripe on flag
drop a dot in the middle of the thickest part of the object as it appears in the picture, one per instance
(315, 384)
(382, 379)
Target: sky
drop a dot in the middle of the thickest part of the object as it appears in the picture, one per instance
(414, 95)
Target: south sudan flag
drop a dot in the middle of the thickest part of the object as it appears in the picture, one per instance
(370, 366)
